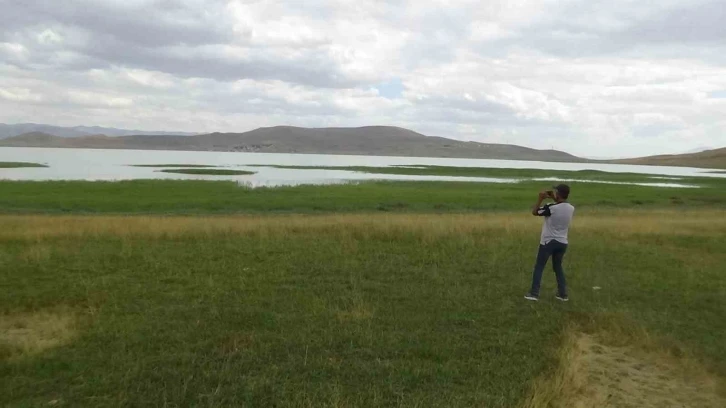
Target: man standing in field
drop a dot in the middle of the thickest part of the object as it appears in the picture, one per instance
(553, 242)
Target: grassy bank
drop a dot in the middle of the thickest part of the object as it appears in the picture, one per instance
(335, 310)
(199, 197)
(423, 170)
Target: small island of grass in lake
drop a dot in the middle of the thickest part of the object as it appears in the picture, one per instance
(15, 165)
(174, 165)
(210, 172)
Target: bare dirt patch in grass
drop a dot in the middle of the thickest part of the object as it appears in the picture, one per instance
(28, 333)
(594, 373)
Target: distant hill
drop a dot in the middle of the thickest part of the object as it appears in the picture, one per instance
(371, 140)
(40, 139)
(7, 130)
(709, 159)
(698, 150)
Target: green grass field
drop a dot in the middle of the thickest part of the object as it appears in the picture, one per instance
(204, 197)
(411, 299)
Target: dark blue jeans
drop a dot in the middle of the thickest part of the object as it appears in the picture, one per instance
(556, 250)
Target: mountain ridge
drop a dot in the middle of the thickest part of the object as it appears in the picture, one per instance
(368, 140)
(714, 159)
(12, 130)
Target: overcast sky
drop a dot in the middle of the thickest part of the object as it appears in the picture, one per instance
(594, 78)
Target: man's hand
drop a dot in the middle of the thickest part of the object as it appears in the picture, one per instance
(542, 195)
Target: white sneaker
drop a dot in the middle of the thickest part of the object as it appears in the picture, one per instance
(532, 297)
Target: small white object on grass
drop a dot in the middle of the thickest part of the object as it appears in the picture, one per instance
(596, 288)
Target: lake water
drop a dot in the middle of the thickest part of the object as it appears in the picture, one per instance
(110, 165)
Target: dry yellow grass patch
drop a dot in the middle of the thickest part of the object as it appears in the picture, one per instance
(36, 253)
(28, 333)
(358, 312)
(623, 222)
(595, 374)
(40, 227)
(661, 222)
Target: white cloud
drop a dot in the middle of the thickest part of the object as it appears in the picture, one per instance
(20, 95)
(600, 78)
(49, 37)
(95, 99)
(13, 51)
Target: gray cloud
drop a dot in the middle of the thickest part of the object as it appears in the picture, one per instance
(585, 29)
(702, 23)
(166, 35)
(587, 75)
(150, 24)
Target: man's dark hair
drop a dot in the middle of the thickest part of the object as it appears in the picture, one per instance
(563, 190)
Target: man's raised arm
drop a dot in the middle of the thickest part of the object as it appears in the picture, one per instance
(537, 209)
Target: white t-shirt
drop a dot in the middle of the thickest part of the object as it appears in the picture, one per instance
(557, 222)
